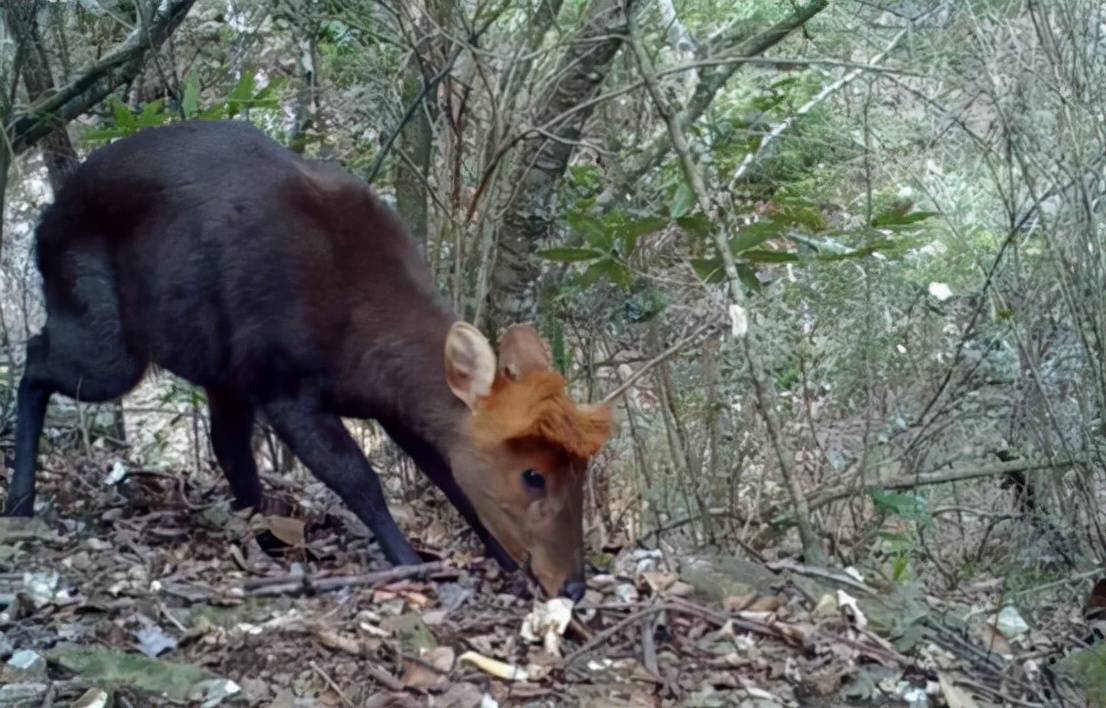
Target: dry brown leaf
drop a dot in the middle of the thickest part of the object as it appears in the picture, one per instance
(431, 670)
(658, 581)
(287, 530)
(993, 640)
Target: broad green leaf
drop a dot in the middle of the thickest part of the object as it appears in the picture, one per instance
(697, 224)
(682, 201)
(570, 255)
(642, 227)
(590, 228)
(753, 235)
(899, 566)
(241, 94)
(153, 114)
(594, 272)
(895, 217)
(911, 507)
(190, 101)
(123, 116)
(709, 269)
(555, 334)
(630, 232)
(762, 256)
(748, 277)
(618, 272)
(800, 215)
(269, 97)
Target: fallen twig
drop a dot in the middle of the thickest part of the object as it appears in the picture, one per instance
(332, 640)
(296, 584)
(330, 682)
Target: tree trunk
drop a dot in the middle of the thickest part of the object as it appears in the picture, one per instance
(57, 149)
(416, 139)
(543, 160)
(97, 82)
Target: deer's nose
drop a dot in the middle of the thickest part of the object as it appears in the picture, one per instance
(574, 589)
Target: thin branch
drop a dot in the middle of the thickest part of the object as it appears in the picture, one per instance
(931, 478)
(103, 77)
(813, 549)
(632, 378)
(827, 91)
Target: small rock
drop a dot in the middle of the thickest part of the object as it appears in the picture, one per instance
(626, 592)
(1010, 623)
(452, 596)
(41, 587)
(81, 560)
(16, 694)
(632, 563)
(30, 663)
(93, 698)
(6, 647)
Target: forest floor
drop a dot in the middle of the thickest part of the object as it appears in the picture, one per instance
(137, 588)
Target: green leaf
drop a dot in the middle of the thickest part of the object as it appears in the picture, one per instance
(190, 101)
(241, 94)
(748, 277)
(709, 270)
(555, 333)
(697, 225)
(591, 229)
(753, 235)
(570, 255)
(911, 507)
(630, 232)
(682, 201)
(899, 566)
(123, 116)
(762, 256)
(176, 681)
(153, 114)
(594, 272)
(269, 97)
(642, 227)
(618, 273)
(800, 215)
(894, 217)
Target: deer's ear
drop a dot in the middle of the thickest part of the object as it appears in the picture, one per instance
(522, 351)
(469, 363)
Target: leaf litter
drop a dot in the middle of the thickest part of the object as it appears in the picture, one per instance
(162, 595)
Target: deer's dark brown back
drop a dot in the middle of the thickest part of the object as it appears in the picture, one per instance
(235, 261)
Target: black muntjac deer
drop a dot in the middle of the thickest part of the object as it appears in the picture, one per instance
(284, 287)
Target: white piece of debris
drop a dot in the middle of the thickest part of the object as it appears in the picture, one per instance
(92, 698)
(212, 692)
(42, 588)
(854, 574)
(547, 622)
(495, 667)
(739, 321)
(940, 291)
(1010, 623)
(116, 475)
(848, 603)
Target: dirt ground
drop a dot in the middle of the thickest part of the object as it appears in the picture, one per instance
(137, 588)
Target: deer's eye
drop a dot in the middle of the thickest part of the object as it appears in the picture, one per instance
(533, 479)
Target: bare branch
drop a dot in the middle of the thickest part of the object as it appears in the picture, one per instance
(103, 77)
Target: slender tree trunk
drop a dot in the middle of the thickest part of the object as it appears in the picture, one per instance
(415, 143)
(57, 150)
(543, 159)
